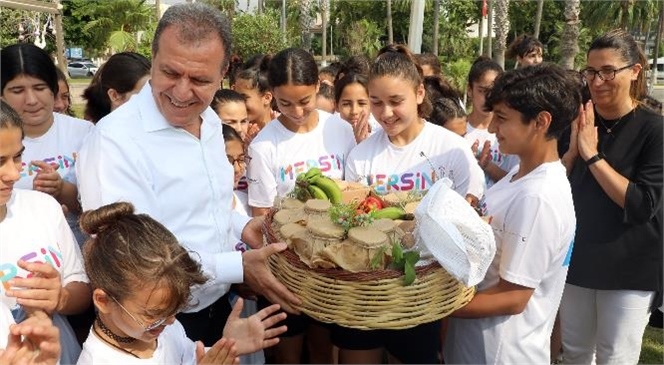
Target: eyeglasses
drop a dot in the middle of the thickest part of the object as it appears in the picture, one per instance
(148, 328)
(604, 75)
(242, 160)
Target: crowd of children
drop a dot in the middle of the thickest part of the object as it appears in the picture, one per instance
(134, 212)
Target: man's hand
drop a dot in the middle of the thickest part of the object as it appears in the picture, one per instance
(42, 291)
(256, 332)
(252, 233)
(259, 277)
(35, 341)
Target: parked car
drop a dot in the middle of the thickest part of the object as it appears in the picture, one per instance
(81, 69)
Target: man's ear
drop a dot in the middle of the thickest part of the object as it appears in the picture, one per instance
(101, 301)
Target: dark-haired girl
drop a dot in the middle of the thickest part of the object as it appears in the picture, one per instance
(484, 143)
(408, 153)
(41, 262)
(149, 282)
(526, 49)
(29, 84)
(122, 76)
(351, 96)
(251, 81)
(302, 137)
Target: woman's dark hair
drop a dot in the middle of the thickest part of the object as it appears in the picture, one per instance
(430, 60)
(482, 65)
(142, 252)
(523, 45)
(30, 60)
(396, 60)
(121, 72)
(541, 88)
(255, 71)
(62, 77)
(230, 134)
(631, 54)
(293, 66)
(233, 66)
(348, 79)
(224, 96)
(445, 100)
(358, 64)
(9, 118)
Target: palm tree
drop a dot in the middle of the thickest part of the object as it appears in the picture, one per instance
(569, 45)
(306, 22)
(121, 20)
(633, 15)
(538, 18)
(390, 30)
(502, 27)
(436, 25)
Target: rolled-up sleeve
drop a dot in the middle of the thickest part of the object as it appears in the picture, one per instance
(644, 192)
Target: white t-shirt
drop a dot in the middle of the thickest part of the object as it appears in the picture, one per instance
(6, 320)
(505, 162)
(279, 155)
(534, 224)
(435, 153)
(51, 243)
(59, 146)
(173, 347)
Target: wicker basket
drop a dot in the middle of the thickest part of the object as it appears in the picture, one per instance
(368, 300)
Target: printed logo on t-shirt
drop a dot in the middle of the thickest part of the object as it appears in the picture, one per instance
(10, 270)
(325, 163)
(420, 180)
(59, 162)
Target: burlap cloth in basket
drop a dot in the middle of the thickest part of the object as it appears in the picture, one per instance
(371, 299)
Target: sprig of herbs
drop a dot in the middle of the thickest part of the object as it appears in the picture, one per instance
(404, 261)
(347, 216)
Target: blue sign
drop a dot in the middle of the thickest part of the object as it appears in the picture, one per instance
(74, 52)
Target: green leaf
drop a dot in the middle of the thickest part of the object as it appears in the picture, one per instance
(411, 257)
(378, 258)
(409, 273)
(397, 255)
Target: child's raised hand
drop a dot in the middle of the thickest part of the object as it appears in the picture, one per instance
(361, 129)
(41, 291)
(256, 332)
(35, 341)
(222, 352)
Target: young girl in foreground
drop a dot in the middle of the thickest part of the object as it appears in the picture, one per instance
(408, 153)
(142, 277)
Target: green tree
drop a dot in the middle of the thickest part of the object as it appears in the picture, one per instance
(257, 33)
(362, 37)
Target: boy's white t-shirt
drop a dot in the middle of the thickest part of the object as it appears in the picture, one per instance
(173, 347)
(35, 230)
(435, 153)
(58, 146)
(505, 162)
(279, 155)
(534, 224)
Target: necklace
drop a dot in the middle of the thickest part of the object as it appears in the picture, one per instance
(113, 336)
(94, 328)
(609, 130)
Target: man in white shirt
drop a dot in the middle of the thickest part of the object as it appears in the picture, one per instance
(163, 151)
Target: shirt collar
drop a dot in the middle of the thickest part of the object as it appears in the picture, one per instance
(154, 121)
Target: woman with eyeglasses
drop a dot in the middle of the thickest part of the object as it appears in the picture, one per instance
(141, 277)
(615, 162)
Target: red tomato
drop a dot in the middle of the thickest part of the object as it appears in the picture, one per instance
(371, 203)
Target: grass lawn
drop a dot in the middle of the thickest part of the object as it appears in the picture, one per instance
(652, 348)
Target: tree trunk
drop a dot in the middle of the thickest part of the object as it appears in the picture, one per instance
(569, 40)
(436, 20)
(324, 10)
(538, 18)
(390, 30)
(658, 40)
(502, 27)
(489, 40)
(305, 23)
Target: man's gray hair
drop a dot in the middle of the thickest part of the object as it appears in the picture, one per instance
(196, 22)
